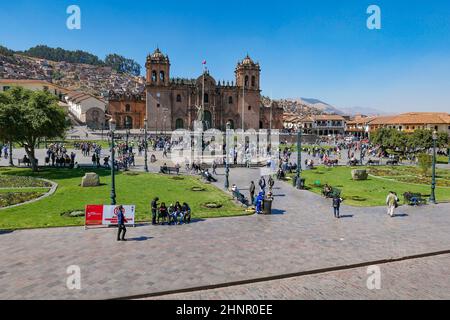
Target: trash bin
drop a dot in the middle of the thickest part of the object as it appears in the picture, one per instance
(267, 206)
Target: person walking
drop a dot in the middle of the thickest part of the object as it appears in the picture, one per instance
(337, 200)
(121, 220)
(392, 203)
(252, 190)
(154, 206)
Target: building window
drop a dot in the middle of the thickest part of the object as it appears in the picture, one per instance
(249, 108)
(153, 76)
(206, 98)
(230, 100)
(253, 81)
(127, 108)
(231, 122)
(179, 124)
(178, 98)
(6, 88)
(246, 81)
(128, 122)
(158, 105)
(161, 76)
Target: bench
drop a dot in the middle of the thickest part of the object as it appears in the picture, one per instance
(373, 162)
(335, 192)
(353, 163)
(240, 197)
(27, 163)
(392, 162)
(414, 199)
(169, 170)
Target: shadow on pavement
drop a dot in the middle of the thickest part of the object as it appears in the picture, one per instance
(140, 239)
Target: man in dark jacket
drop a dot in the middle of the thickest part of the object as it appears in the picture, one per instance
(121, 220)
(262, 184)
(337, 205)
(252, 192)
(154, 209)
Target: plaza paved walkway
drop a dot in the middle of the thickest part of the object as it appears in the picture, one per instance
(423, 278)
(301, 236)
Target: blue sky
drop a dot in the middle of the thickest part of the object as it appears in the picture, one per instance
(317, 49)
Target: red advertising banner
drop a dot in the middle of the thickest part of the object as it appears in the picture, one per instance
(94, 215)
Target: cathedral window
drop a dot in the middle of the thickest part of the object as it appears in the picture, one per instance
(249, 108)
(178, 98)
(206, 99)
(246, 81)
(253, 81)
(161, 76)
(127, 108)
(230, 100)
(153, 76)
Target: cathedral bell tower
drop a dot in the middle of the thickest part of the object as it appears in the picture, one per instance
(158, 69)
(248, 86)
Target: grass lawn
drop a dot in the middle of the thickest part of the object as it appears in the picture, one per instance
(372, 192)
(442, 159)
(133, 189)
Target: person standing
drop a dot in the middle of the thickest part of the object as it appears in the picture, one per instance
(252, 189)
(262, 184)
(214, 167)
(271, 183)
(154, 206)
(337, 200)
(121, 220)
(392, 203)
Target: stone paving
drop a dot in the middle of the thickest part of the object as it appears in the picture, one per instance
(301, 236)
(417, 279)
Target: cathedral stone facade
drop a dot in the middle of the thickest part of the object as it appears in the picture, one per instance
(175, 103)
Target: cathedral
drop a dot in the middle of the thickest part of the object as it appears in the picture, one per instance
(175, 103)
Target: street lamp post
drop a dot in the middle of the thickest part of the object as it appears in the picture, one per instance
(227, 167)
(112, 128)
(298, 183)
(433, 179)
(145, 144)
(127, 131)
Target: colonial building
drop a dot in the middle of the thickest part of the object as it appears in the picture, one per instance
(358, 126)
(87, 109)
(324, 125)
(174, 103)
(409, 122)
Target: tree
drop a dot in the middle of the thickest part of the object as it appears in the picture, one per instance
(425, 162)
(389, 139)
(27, 116)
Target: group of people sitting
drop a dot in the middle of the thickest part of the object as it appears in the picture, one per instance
(174, 214)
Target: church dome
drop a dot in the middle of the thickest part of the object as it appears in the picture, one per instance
(158, 55)
(248, 61)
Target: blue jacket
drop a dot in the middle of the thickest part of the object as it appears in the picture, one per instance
(121, 218)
